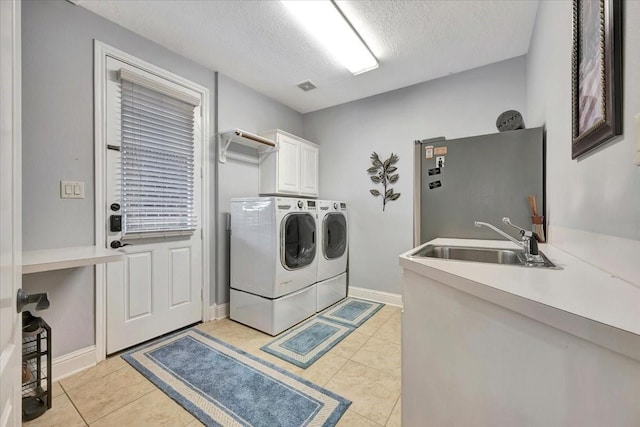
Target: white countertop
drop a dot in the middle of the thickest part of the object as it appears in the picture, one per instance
(551, 296)
(60, 258)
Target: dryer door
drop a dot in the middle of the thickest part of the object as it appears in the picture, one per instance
(298, 240)
(335, 235)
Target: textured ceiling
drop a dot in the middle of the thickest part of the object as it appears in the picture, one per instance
(259, 44)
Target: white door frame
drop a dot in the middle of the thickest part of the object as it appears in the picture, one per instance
(11, 216)
(101, 51)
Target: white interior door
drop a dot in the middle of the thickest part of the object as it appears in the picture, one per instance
(157, 288)
(10, 223)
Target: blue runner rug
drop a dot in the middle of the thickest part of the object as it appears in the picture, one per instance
(308, 342)
(224, 386)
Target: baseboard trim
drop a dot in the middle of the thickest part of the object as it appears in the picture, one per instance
(219, 311)
(69, 364)
(377, 296)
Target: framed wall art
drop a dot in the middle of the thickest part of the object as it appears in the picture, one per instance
(596, 73)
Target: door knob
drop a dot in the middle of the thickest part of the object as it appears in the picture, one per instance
(40, 300)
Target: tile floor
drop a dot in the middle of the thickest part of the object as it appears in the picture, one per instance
(364, 368)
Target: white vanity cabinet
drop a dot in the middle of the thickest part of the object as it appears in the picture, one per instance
(290, 170)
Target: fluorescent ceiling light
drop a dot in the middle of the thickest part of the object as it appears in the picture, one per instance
(323, 19)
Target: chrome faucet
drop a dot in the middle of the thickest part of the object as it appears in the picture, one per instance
(529, 242)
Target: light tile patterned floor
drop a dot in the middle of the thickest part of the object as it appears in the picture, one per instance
(364, 368)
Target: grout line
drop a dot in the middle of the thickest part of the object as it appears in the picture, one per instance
(335, 373)
(388, 340)
(369, 419)
(92, 379)
(392, 409)
(120, 407)
(103, 376)
(77, 410)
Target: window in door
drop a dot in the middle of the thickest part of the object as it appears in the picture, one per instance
(157, 160)
(153, 126)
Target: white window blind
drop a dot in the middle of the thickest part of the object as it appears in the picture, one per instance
(157, 161)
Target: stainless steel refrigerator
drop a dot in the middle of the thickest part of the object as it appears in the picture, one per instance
(479, 178)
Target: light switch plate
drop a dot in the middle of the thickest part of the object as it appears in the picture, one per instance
(71, 190)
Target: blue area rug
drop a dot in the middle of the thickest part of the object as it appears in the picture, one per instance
(224, 386)
(352, 312)
(308, 342)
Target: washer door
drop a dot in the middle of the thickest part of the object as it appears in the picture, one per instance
(298, 240)
(335, 235)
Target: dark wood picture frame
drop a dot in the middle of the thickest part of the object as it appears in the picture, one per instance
(596, 74)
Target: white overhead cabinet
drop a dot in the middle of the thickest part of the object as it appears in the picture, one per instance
(290, 170)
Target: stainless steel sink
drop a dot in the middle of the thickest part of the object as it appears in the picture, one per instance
(488, 255)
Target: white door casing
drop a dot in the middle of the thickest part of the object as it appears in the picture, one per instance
(10, 213)
(162, 284)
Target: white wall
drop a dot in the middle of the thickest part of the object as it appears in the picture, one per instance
(459, 105)
(243, 108)
(593, 204)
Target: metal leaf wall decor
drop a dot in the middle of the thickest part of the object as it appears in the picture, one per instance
(382, 172)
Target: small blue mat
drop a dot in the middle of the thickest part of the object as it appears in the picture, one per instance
(308, 342)
(352, 312)
(222, 385)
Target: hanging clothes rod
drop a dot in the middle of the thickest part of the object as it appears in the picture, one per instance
(241, 137)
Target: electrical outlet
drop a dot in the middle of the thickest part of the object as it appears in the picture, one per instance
(440, 161)
(71, 190)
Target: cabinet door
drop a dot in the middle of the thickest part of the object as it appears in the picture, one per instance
(309, 170)
(288, 165)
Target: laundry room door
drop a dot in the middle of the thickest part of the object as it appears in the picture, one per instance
(10, 214)
(153, 202)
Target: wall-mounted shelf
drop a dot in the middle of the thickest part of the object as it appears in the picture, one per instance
(58, 259)
(241, 137)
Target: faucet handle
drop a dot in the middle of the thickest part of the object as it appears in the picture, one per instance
(523, 232)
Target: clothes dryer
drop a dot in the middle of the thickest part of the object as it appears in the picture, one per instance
(334, 247)
(273, 262)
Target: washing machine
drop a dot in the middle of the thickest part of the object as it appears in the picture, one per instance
(333, 244)
(274, 262)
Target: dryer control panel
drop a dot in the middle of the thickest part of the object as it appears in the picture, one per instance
(286, 204)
